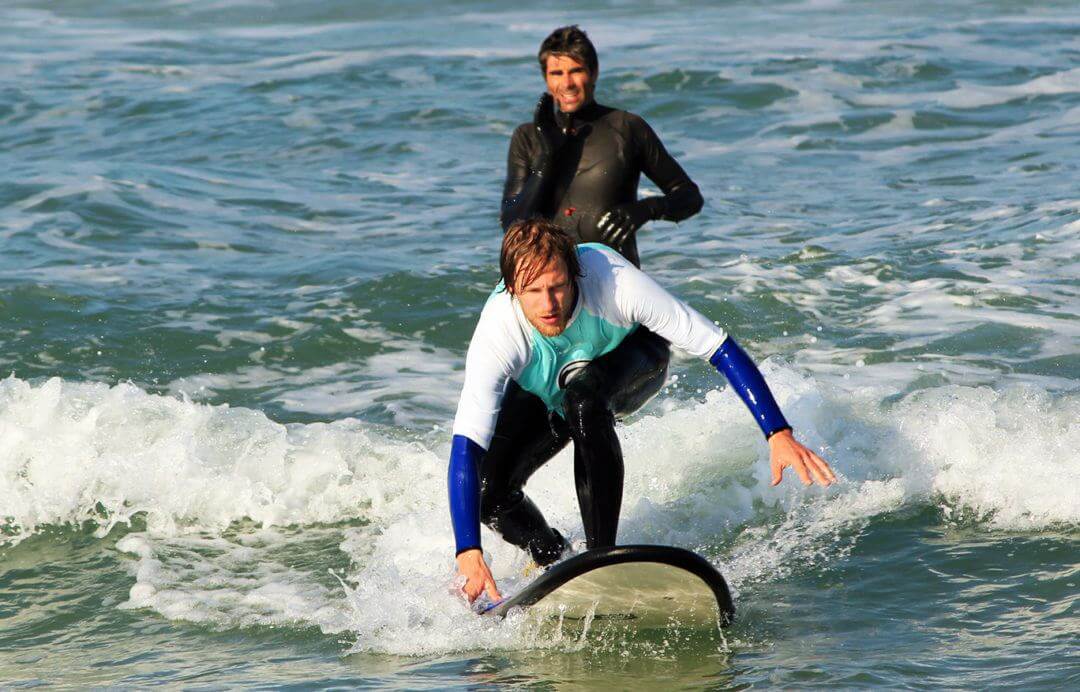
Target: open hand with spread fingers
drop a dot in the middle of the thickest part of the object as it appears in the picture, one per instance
(785, 451)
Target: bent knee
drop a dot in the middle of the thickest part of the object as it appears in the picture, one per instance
(584, 410)
(493, 504)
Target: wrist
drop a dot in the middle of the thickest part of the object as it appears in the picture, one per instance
(654, 207)
(780, 434)
(468, 559)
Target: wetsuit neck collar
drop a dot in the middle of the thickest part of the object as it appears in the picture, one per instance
(586, 114)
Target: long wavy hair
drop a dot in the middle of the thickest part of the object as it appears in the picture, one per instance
(529, 246)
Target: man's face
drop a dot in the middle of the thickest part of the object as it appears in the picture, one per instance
(548, 299)
(569, 82)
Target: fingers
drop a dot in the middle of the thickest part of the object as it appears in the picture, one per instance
(608, 227)
(479, 584)
(777, 473)
(822, 473)
(800, 468)
(609, 222)
(544, 115)
(824, 467)
(543, 106)
(615, 227)
(809, 467)
(471, 565)
(492, 590)
(619, 235)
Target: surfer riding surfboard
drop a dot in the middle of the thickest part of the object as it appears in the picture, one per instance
(560, 302)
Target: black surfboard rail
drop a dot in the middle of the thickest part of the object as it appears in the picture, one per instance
(573, 567)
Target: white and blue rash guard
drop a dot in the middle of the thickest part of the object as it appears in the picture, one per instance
(613, 298)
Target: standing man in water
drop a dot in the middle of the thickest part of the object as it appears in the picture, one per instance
(578, 163)
(549, 363)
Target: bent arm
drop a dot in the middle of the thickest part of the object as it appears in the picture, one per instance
(526, 188)
(682, 198)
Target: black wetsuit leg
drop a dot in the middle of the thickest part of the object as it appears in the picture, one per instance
(525, 438)
(614, 385)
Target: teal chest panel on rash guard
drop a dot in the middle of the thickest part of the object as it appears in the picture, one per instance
(556, 359)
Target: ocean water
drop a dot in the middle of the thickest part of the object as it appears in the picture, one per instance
(243, 245)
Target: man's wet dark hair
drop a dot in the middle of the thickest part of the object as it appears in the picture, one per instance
(573, 42)
(530, 245)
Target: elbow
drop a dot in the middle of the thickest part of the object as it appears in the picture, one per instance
(684, 202)
(694, 201)
(697, 201)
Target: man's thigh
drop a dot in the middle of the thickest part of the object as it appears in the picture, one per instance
(524, 440)
(628, 376)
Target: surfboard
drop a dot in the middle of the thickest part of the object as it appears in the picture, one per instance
(643, 585)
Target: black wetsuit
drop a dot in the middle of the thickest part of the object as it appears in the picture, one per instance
(527, 435)
(596, 168)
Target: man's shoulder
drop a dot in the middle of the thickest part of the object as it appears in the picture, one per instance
(599, 263)
(618, 115)
(499, 326)
(628, 124)
(596, 252)
(499, 303)
(524, 131)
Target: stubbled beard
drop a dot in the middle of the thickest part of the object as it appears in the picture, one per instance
(548, 330)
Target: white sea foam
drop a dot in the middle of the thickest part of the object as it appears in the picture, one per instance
(70, 452)
(227, 583)
(1002, 459)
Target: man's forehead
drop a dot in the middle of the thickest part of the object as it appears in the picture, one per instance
(563, 62)
(529, 272)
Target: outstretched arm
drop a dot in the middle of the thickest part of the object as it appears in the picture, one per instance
(634, 297)
(463, 483)
(495, 354)
(784, 450)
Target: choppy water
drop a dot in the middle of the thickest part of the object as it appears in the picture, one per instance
(243, 246)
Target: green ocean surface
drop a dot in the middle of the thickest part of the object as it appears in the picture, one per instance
(243, 246)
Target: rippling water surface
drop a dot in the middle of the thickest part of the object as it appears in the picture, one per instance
(243, 246)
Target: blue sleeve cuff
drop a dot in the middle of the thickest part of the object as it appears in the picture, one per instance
(463, 483)
(746, 380)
